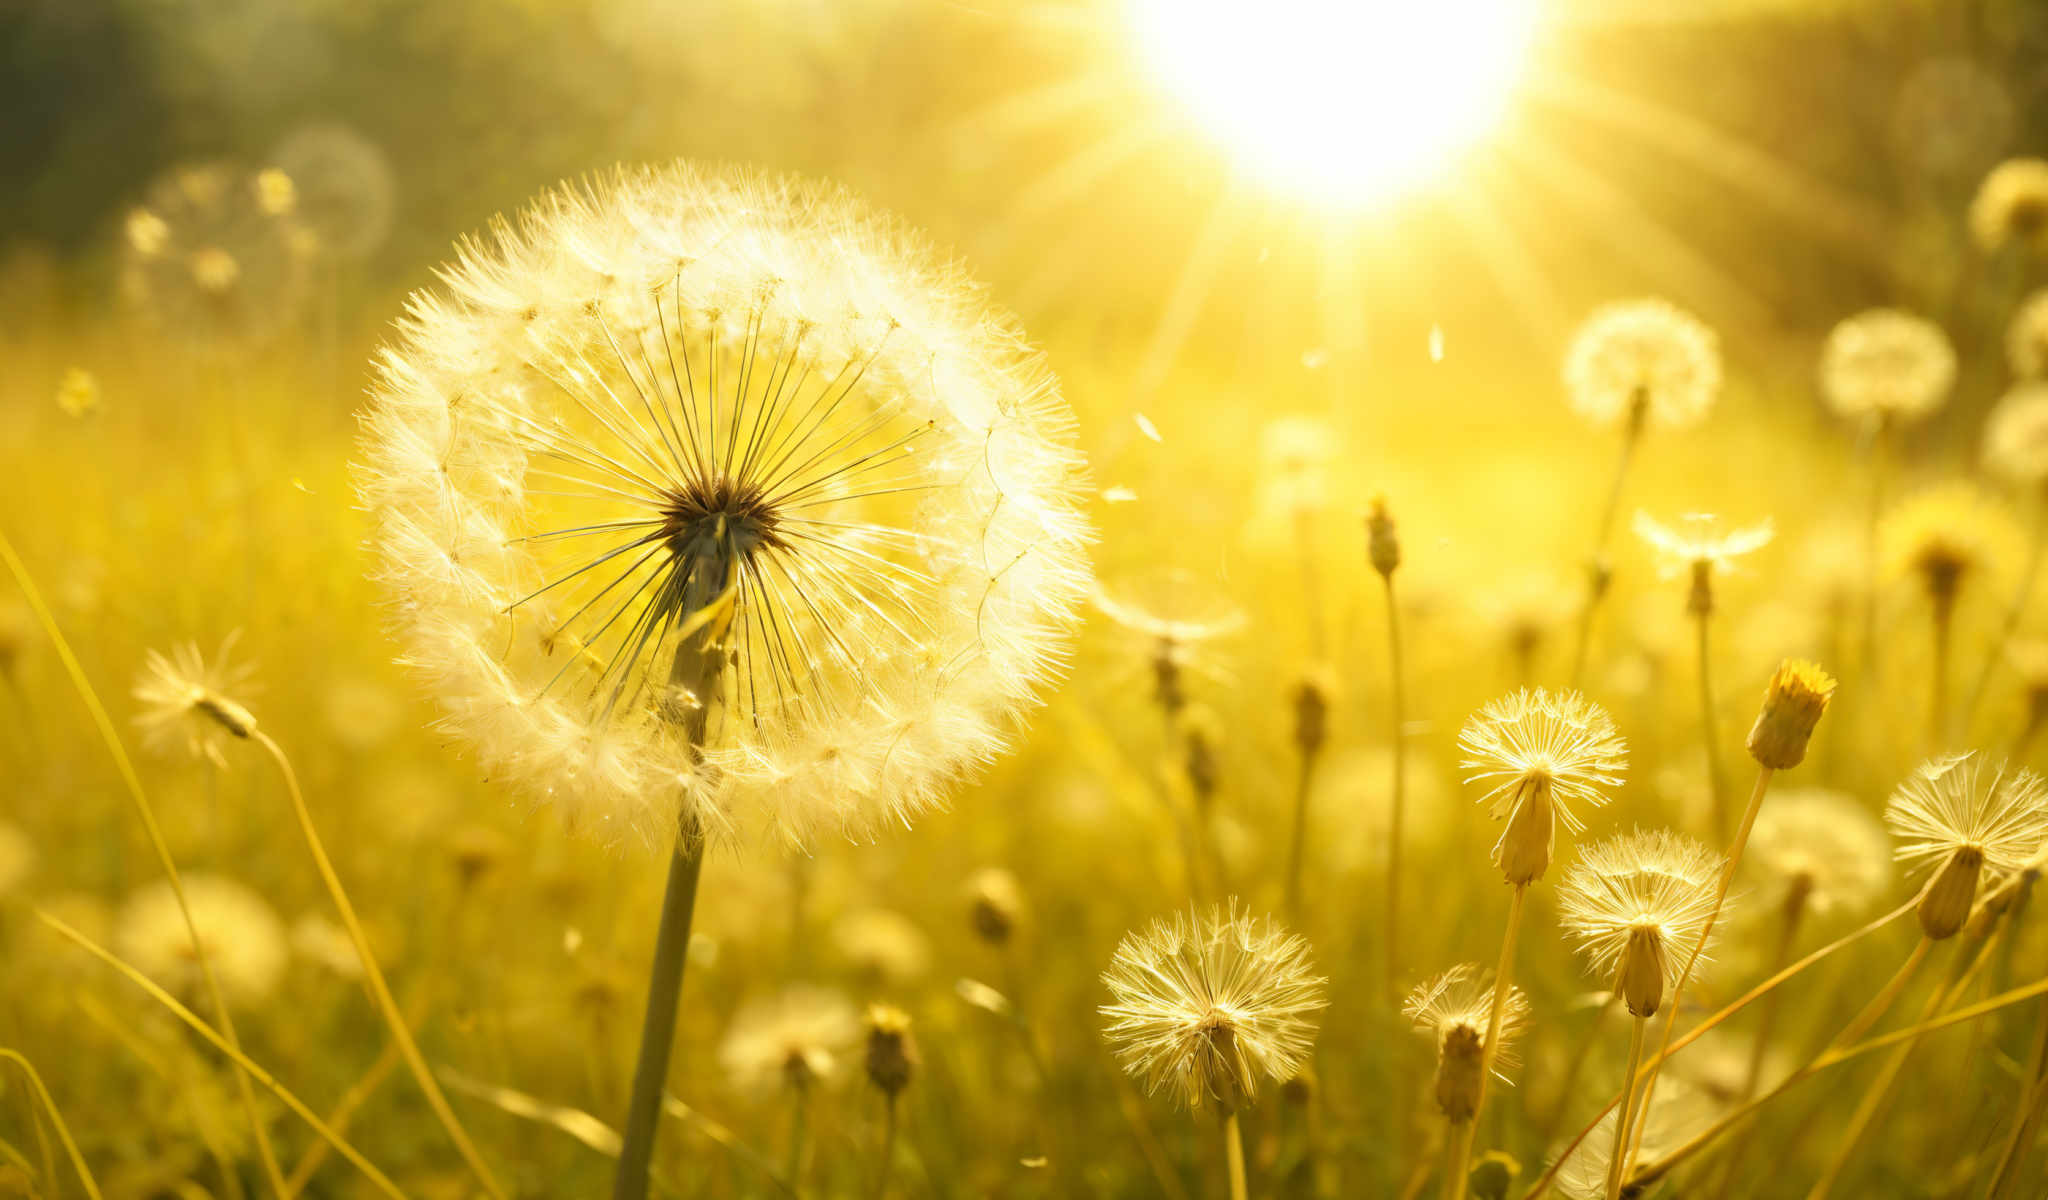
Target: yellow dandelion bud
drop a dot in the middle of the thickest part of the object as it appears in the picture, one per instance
(1793, 703)
(995, 904)
(892, 1056)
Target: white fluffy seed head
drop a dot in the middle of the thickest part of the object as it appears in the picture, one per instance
(1887, 364)
(711, 498)
(1643, 360)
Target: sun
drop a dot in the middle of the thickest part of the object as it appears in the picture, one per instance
(1346, 102)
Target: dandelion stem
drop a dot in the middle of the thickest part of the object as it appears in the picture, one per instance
(1937, 716)
(1596, 567)
(133, 782)
(799, 1129)
(1628, 1107)
(2013, 612)
(380, 992)
(883, 1168)
(1297, 845)
(35, 1082)
(1717, 782)
(1569, 1087)
(1880, 460)
(2027, 1118)
(1233, 1152)
(1735, 849)
(1396, 719)
(1788, 929)
(657, 1030)
(1503, 985)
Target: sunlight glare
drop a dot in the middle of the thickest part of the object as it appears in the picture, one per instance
(1347, 101)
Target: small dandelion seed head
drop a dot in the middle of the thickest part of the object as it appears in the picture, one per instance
(1208, 1006)
(1820, 850)
(2026, 337)
(714, 501)
(1697, 539)
(238, 932)
(1948, 536)
(1794, 700)
(1887, 364)
(2016, 434)
(1643, 360)
(186, 701)
(1968, 801)
(1453, 1010)
(1637, 904)
(2011, 207)
(793, 1040)
(1540, 756)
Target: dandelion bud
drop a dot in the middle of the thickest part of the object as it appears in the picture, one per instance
(1311, 713)
(1523, 851)
(1640, 981)
(995, 905)
(1166, 677)
(1383, 545)
(1699, 602)
(1945, 905)
(1798, 694)
(1458, 1073)
(892, 1056)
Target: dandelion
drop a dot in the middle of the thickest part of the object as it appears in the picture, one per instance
(1540, 755)
(186, 701)
(793, 1040)
(1887, 365)
(209, 256)
(1700, 547)
(1207, 1005)
(995, 905)
(709, 500)
(345, 195)
(1630, 364)
(883, 946)
(1966, 818)
(1822, 853)
(892, 1061)
(2026, 337)
(1643, 360)
(1632, 902)
(1452, 1010)
(1383, 552)
(78, 393)
(2011, 206)
(1666, 1123)
(237, 931)
(1947, 537)
(1176, 614)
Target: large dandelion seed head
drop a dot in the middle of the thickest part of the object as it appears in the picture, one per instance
(241, 935)
(712, 497)
(345, 192)
(797, 1038)
(189, 704)
(1887, 364)
(1972, 803)
(209, 256)
(1559, 737)
(1205, 1006)
(2011, 206)
(1637, 904)
(2016, 434)
(1823, 848)
(1948, 536)
(1700, 540)
(1646, 357)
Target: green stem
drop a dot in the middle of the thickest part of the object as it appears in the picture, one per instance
(1396, 719)
(799, 1128)
(1503, 986)
(883, 1169)
(1233, 1152)
(1717, 783)
(1628, 1108)
(1794, 909)
(1596, 589)
(1297, 845)
(657, 1031)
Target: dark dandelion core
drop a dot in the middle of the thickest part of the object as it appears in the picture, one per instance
(723, 522)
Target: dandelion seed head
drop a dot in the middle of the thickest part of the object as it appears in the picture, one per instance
(1637, 904)
(795, 1039)
(1948, 536)
(2016, 434)
(1648, 355)
(1888, 364)
(1823, 847)
(1458, 1004)
(17, 857)
(713, 498)
(188, 703)
(1697, 539)
(2026, 337)
(1678, 1111)
(2011, 206)
(1561, 737)
(1968, 802)
(1208, 1005)
(239, 932)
